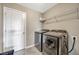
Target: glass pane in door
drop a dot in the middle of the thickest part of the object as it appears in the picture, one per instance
(14, 30)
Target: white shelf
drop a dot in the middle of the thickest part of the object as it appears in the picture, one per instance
(64, 16)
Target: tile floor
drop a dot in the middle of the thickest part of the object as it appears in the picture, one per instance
(29, 51)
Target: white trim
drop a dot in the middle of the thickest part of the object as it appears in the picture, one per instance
(31, 46)
(25, 15)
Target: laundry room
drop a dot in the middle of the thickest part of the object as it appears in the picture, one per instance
(39, 28)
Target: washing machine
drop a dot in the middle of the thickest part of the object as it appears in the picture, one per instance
(55, 42)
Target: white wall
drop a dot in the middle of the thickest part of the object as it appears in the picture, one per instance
(32, 22)
(71, 25)
(1, 28)
(33, 25)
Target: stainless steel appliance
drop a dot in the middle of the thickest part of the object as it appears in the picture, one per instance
(53, 42)
(39, 39)
(56, 43)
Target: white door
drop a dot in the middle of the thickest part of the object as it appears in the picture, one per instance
(14, 29)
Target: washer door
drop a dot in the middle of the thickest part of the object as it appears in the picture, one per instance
(50, 46)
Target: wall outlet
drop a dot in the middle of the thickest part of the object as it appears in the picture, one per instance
(74, 37)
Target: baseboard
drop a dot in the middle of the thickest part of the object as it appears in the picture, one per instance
(19, 50)
(31, 46)
(28, 46)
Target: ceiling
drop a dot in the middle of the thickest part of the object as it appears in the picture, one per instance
(41, 7)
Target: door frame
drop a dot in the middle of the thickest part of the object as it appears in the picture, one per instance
(25, 24)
